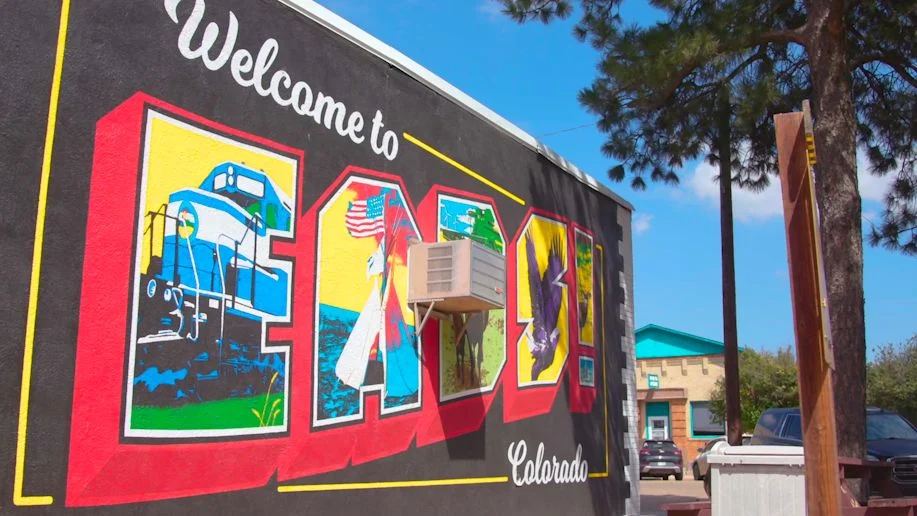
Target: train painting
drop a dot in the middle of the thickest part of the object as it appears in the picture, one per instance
(208, 287)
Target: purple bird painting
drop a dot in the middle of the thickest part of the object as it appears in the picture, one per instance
(547, 294)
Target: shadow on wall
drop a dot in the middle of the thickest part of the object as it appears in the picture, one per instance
(467, 445)
(558, 192)
(470, 446)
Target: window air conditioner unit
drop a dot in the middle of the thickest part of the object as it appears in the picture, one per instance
(460, 276)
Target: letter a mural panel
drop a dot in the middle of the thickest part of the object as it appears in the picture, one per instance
(364, 339)
(208, 278)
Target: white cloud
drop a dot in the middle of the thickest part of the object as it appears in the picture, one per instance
(747, 206)
(493, 9)
(750, 206)
(872, 188)
(642, 222)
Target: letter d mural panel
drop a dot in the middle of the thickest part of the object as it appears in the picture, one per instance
(209, 278)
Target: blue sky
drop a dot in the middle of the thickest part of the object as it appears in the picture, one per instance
(530, 74)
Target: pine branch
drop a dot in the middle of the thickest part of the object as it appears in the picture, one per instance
(741, 67)
(912, 228)
(797, 35)
(544, 10)
(880, 91)
(893, 61)
(673, 85)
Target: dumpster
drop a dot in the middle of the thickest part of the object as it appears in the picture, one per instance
(758, 480)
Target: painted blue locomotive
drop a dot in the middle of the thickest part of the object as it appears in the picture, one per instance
(210, 285)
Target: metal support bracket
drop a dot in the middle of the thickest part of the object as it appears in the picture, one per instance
(420, 319)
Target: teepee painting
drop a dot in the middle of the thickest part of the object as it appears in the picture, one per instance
(364, 339)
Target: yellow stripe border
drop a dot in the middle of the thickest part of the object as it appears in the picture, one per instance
(463, 168)
(601, 252)
(29, 349)
(388, 485)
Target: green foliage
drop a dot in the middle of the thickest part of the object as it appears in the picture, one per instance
(766, 380)
(583, 254)
(658, 87)
(891, 378)
(269, 417)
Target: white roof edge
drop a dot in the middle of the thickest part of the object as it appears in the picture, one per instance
(323, 16)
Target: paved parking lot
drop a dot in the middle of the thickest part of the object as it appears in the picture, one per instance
(655, 492)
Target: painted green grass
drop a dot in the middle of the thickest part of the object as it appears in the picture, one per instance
(211, 415)
(494, 354)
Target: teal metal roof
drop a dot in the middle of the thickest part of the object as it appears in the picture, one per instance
(655, 341)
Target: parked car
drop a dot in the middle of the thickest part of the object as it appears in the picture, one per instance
(700, 467)
(889, 437)
(660, 459)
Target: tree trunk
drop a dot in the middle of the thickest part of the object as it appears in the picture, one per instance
(839, 216)
(730, 331)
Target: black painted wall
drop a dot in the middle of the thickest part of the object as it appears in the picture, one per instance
(117, 49)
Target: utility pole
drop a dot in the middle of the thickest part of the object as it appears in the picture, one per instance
(727, 247)
(810, 315)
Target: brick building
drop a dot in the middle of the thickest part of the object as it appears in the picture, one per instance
(676, 372)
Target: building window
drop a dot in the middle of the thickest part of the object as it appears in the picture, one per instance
(702, 422)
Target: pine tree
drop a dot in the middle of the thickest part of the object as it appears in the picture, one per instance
(659, 91)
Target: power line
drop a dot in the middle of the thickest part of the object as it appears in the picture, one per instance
(567, 130)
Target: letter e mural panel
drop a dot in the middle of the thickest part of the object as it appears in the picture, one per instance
(208, 278)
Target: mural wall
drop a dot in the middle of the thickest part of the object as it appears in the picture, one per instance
(213, 211)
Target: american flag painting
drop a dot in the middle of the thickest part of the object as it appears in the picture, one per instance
(365, 218)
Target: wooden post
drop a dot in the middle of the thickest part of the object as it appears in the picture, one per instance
(813, 349)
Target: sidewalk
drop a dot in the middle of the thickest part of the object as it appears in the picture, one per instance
(654, 493)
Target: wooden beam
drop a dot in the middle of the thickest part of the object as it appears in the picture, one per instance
(813, 351)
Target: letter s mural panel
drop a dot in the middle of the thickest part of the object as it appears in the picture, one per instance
(465, 374)
(216, 314)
